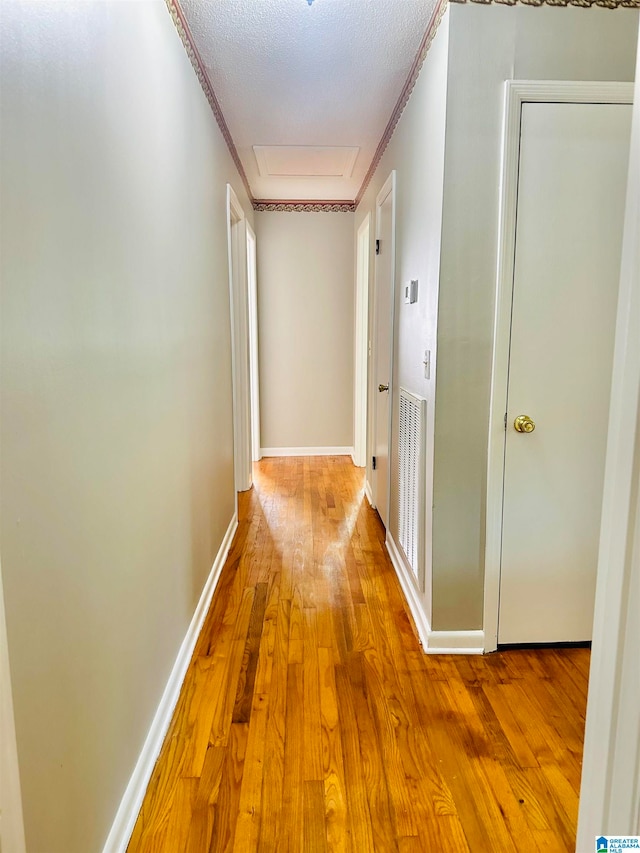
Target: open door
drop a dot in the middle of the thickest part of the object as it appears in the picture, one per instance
(381, 392)
(361, 347)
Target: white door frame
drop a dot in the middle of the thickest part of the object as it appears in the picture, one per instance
(254, 363)
(389, 187)
(610, 790)
(237, 259)
(517, 92)
(11, 821)
(361, 343)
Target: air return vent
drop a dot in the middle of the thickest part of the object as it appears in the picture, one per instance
(411, 476)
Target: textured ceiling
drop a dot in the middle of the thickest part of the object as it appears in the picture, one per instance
(286, 73)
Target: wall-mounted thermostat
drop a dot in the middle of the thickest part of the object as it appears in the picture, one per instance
(411, 291)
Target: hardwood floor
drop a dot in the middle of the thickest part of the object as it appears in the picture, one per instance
(310, 720)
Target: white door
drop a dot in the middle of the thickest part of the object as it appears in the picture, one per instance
(361, 345)
(382, 345)
(571, 193)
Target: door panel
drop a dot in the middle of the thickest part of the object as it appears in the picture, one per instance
(571, 192)
(382, 375)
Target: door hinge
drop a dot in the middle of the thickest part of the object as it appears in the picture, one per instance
(377, 247)
(505, 421)
(373, 459)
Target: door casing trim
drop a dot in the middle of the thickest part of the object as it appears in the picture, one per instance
(609, 793)
(238, 310)
(252, 328)
(516, 93)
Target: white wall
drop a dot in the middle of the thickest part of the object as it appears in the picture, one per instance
(117, 454)
(448, 239)
(306, 328)
(489, 45)
(416, 152)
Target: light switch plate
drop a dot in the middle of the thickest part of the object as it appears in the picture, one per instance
(427, 364)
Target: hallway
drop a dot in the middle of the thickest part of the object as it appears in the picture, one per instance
(310, 719)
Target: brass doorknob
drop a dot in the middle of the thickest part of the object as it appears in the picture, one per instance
(523, 423)
(382, 387)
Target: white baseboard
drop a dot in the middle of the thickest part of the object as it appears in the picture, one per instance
(368, 492)
(433, 642)
(410, 592)
(456, 642)
(353, 459)
(131, 803)
(307, 451)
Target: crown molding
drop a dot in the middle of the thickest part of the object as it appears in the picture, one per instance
(308, 205)
(181, 25)
(584, 4)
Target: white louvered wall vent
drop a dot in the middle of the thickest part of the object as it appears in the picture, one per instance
(411, 475)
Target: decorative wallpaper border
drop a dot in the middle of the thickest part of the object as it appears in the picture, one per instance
(186, 37)
(585, 4)
(405, 94)
(314, 205)
(307, 205)
(303, 206)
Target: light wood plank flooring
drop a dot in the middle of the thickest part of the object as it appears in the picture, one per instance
(310, 720)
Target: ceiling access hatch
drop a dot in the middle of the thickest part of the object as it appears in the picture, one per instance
(305, 161)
